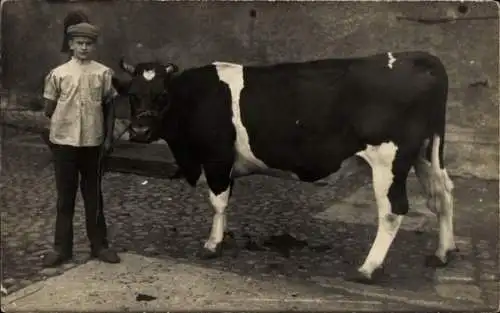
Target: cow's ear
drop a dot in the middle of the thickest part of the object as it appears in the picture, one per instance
(171, 68)
(120, 86)
(129, 68)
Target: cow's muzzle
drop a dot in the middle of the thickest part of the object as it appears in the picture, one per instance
(140, 134)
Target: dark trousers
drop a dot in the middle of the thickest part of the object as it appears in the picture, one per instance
(69, 162)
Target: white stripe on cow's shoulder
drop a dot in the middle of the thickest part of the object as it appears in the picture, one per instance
(246, 161)
(381, 160)
(149, 74)
(392, 59)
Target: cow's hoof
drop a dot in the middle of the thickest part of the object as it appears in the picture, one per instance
(435, 262)
(365, 278)
(206, 254)
(229, 241)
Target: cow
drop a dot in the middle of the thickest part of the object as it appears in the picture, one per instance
(302, 120)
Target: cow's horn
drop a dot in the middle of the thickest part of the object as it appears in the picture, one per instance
(127, 67)
(171, 68)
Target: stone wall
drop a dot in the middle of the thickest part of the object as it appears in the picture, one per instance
(465, 36)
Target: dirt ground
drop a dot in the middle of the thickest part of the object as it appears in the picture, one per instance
(159, 226)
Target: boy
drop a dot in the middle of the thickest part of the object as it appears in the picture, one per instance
(74, 93)
(73, 18)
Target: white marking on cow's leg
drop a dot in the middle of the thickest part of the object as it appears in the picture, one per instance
(445, 217)
(203, 178)
(219, 203)
(392, 59)
(149, 74)
(381, 159)
(438, 188)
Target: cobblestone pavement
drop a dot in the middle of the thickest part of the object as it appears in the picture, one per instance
(156, 217)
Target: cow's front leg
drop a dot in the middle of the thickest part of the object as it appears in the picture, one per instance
(220, 184)
(389, 186)
(219, 201)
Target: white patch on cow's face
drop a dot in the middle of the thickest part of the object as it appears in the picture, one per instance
(392, 59)
(149, 74)
(381, 159)
(246, 161)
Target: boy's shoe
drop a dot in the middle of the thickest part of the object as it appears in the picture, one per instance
(54, 258)
(106, 255)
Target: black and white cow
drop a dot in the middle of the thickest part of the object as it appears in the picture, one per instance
(303, 120)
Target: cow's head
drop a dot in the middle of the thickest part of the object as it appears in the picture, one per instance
(148, 94)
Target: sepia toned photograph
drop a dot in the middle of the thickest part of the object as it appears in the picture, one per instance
(239, 156)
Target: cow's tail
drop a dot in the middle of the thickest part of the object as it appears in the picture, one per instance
(433, 147)
(434, 153)
(438, 99)
(430, 166)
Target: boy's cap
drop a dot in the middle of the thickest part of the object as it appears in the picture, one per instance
(84, 30)
(73, 18)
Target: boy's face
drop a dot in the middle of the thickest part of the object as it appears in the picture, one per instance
(82, 47)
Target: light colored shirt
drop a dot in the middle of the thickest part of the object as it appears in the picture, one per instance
(79, 89)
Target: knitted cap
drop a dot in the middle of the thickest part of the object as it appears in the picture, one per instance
(83, 30)
(74, 17)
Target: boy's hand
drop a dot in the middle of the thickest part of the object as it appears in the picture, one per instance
(50, 107)
(108, 145)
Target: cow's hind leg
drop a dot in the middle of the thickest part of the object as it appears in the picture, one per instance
(438, 189)
(218, 175)
(390, 169)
